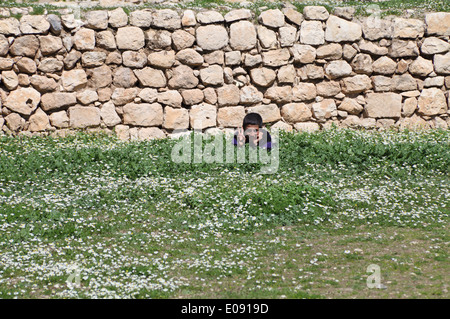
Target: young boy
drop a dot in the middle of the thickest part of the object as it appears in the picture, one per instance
(252, 132)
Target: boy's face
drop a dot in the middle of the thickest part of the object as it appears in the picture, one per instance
(252, 131)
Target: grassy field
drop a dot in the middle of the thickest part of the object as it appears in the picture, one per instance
(363, 8)
(128, 222)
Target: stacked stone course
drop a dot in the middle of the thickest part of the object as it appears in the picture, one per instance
(155, 72)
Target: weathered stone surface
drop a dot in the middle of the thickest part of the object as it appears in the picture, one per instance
(92, 58)
(54, 101)
(210, 95)
(356, 84)
(311, 32)
(43, 84)
(192, 97)
(267, 37)
(351, 106)
(372, 48)
(151, 77)
(130, 38)
(233, 58)
(286, 74)
(269, 112)
(328, 88)
(296, 112)
(228, 95)
(87, 97)
(437, 81)
(242, 35)
(23, 100)
(252, 60)
(188, 19)
(150, 133)
(230, 116)
(50, 44)
(189, 57)
(303, 53)
(26, 45)
(272, 18)
(340, 30)
(26, 65)
(183, 78)
(109, 115)
(39, 121)
(304, 92)
(74, 79)
(117, 18)
(99, 77)
(158, 39)
(239, 14)
(106, 40)
(413, 123)
(438, 23)
(293, 16)
(148, 95)
(421, 67)
(375, 28)
(442, 63)
(134, 59)
(434, 45)
(281, 126)
(404, 82)
(263, 76)
(331, 51)
(141, 18)
(362, 63)
(50, 65)
(384, 65)
(10, 80)
(337, 69)
(408, 28)
(162, 59)
(182, 40)
(344, 12)
(122, 96)
(288, 36)
(14, 122)
(71, 59)
(143, 114)
(349, 52)
(84, 116)
(432, 102)
(250, 95)
(166, 19)
(202, 116)
(212, 75)
(84, 39)
(324, 109)
(316, 13)
(59, 119)
(403, 48)
(307, 127)
(175, 119)
(207, 17)
(171, 98)
(276, 58)
(314, 72)
(212, 37)
(382, 83)
(34, 24)
(383, 105)
(279, 94)
(96, 19)
(409, 106)
(4, 45)
(10, 26)
(6, 64)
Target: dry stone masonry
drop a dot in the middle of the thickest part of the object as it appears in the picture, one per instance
(153, 73)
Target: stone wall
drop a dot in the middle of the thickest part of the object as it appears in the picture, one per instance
(155, 72)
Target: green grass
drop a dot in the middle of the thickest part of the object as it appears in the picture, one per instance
(138, 225)
(389, 7)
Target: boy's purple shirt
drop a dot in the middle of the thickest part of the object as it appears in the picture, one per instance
(265, 142)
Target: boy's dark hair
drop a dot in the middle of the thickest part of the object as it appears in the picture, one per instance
(252, 119)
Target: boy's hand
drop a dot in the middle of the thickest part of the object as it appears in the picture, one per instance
(240, 136)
